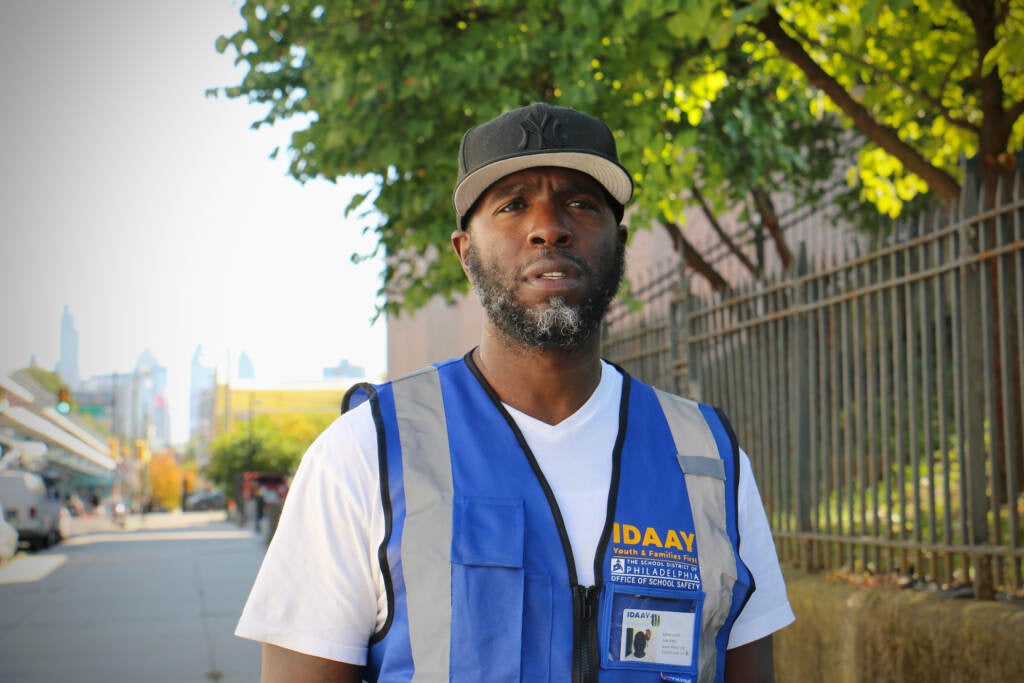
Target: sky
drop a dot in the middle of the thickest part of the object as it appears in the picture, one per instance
(155, 214)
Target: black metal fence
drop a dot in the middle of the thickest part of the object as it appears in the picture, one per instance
(879, 398)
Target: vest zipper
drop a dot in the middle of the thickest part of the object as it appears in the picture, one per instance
(585, 655)
(586, 647)
(584, 663)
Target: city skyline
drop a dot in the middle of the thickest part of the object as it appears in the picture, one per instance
(156, 213)
(204, 373)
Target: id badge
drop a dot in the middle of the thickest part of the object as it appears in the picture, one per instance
(650, 629)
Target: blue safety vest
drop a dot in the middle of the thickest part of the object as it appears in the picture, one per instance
(480, 579)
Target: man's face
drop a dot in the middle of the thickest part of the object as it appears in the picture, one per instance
(546, 255)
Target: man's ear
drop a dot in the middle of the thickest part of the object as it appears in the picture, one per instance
(460, 243)
(623, 234)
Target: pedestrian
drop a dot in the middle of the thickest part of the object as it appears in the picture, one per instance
(258, 516)
(517, 513)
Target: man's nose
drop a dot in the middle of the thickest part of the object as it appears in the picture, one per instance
(549, 226)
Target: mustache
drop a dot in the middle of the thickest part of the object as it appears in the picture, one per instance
(576, 261)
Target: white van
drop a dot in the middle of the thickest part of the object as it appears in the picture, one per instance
(28, 508)
(8, 539)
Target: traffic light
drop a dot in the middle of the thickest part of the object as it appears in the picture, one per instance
(142, 450)
(63, 401)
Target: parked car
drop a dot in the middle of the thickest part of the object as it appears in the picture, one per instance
(8, 537)
(206, 500)
(30, 509)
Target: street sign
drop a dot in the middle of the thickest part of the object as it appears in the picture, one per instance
(96, 410)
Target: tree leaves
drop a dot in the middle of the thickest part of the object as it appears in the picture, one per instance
(693, 91)
(267, 444)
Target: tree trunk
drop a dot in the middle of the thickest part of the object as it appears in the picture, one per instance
(997, 169)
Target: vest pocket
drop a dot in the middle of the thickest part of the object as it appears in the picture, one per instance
(488, 583)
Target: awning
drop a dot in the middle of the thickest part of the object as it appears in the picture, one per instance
(13, 387)
(35, 449)
(53, 434)
(73, 429)
(21, 451)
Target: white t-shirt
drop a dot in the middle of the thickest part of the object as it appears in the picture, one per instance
(320, 590)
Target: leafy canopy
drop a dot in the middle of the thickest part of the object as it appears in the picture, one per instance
(716, 94)
(946, 77)
(269, 443)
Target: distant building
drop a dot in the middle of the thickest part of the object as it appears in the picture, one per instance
(150, 417)
(222, 404)
(345, 370)
(202, 378)
(108, 399)
(437, 331)
(242, 400)
(131, 405)
(246, 370)
(67, 366)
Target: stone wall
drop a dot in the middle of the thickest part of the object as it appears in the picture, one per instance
(850, 634)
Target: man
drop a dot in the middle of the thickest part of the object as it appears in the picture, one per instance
(517, 513)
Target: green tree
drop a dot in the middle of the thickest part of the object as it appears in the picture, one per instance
(926, 82)
(711, 102)
(387, 89)
(268, 443)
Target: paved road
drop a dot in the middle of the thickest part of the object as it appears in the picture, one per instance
(155, 602)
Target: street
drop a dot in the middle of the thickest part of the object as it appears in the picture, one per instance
(154, 602)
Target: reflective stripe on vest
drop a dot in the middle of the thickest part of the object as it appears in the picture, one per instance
(427, 474)
(426, 539)
(705, 482)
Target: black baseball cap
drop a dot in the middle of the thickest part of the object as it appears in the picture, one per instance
(537, 135)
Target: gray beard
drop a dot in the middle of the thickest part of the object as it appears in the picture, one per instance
(556, 325)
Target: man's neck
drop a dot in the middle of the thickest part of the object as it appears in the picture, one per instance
(546, 384)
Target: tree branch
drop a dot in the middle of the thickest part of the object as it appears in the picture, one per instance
(722, 235)
(1014, 112)
(941, 182)
(770, 220)
(693, 259)
(924, 97)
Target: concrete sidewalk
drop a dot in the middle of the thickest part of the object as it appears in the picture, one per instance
(175, 519)
(153, 602)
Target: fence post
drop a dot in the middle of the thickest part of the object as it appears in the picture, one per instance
(800, 407)
(680, 358)
(972, 284)
(687, 369)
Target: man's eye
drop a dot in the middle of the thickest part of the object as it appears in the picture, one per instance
(513, 205)
(583, 204)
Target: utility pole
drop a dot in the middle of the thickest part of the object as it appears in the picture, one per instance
(114, 381)
(252, 443)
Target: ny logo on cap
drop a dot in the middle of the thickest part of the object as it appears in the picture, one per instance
(546, 131)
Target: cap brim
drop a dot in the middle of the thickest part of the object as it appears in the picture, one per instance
(609, 174)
